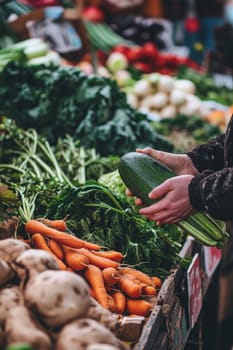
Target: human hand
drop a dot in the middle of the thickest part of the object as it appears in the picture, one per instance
(138, 201)
(173, 201)
(180, 164)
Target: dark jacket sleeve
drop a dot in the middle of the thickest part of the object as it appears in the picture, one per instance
(209, 155)
(212, 191)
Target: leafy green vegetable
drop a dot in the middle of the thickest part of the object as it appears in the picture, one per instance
(99, 215)
(58, 101)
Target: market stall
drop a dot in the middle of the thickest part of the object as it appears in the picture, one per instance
(76, 257)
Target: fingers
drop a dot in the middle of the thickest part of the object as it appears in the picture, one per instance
(164, 157)
(160, 190)
(138, 201)
(128, 192)
(150, 152)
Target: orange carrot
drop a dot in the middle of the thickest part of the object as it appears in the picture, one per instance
(120, 301)
(138, 307)
(111, 303)
(94, 277)
(132, 278)
(56, 249)
(39, 242)
(75, 260)
(141, 276)
(59, 225)
(148, 290)
(102, 263)
(157, 282)
(111, 276)
(35, 226)
(110, 254)
(129, 287)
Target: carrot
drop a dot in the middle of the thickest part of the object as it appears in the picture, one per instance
(157, 281)
(120, 301)
(111, 276)
(110, 254)
(102, 263)
(59, 225)
(75, 260)
(94, 277)
(56, 249)
(148, 290)
(39, 242)
(35, 226)
(129, 287)
(133, 279)
(138, 307)
(111, 303)
(141, 276)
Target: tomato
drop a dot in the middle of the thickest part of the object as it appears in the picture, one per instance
(150, 50)
(143, 67)
(135, 54)
(165, 71)
(122, 49)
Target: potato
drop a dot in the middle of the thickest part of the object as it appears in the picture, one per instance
(57, 297)
(104, 316)
(9, 299)
(21, 328)
(6, 272)
(11, 248)
(33, 261)
(81, 333)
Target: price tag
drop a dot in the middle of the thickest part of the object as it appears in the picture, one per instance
(212, 257)
(194, 289)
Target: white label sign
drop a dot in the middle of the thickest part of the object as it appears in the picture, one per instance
(194, 289)
(212, 257)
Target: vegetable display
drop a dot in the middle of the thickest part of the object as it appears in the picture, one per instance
(91, 109)
(104, 270)
(31, 51)
(94, 210)
(141, 173)
(39, 302)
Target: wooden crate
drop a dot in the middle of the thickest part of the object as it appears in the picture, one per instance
(19, 26)
(168, 326)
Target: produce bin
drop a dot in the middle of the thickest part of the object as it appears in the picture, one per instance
(173, 318)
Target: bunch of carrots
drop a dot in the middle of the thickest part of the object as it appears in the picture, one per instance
(120, 289)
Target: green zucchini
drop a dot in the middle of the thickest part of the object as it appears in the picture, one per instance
(141, 173)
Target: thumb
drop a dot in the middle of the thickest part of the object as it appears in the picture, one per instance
(160, 191)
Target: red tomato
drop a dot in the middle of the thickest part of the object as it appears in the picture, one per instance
(122, 49)
(150, 50)
(135, 54)
(143, 67)
(165, 71)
